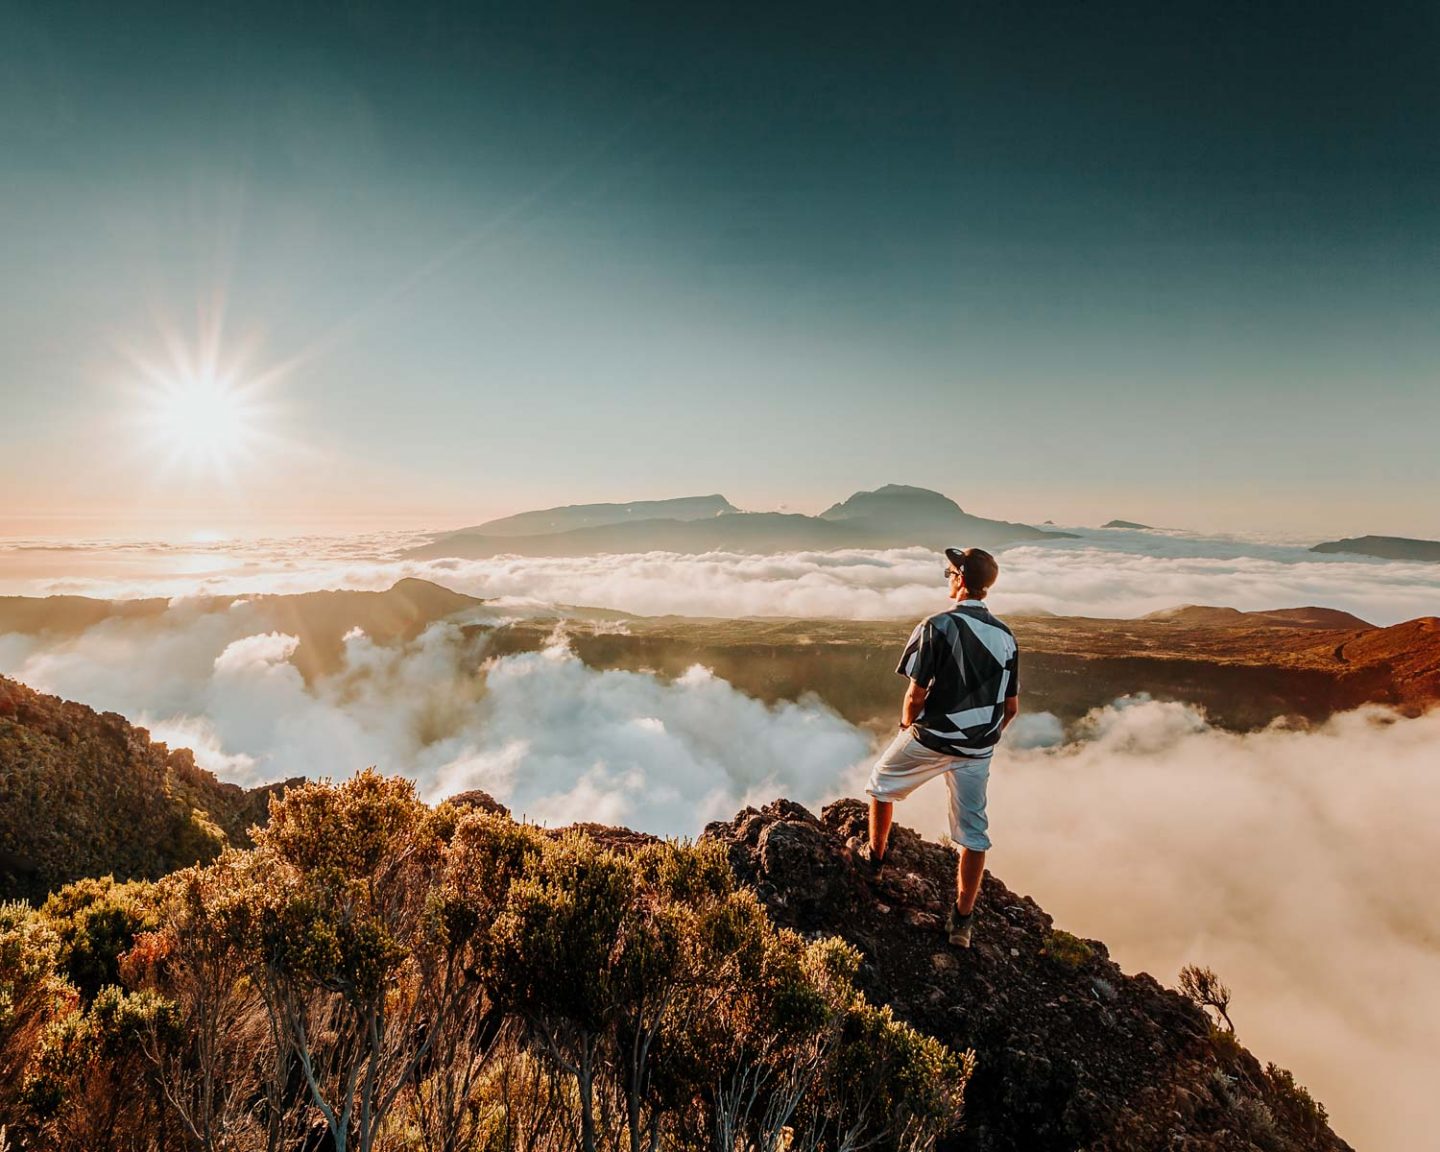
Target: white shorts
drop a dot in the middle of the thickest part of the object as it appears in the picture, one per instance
(907, 764)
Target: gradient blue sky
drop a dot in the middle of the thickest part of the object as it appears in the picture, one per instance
(1167, 262)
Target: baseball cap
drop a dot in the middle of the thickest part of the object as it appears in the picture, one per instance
(977, 566)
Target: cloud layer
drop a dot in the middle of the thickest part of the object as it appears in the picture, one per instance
(556, 740)
(1107, 574)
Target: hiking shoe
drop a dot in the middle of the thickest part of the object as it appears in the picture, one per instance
(868, 860)
(958, 927)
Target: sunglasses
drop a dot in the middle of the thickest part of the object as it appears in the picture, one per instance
(951, 574)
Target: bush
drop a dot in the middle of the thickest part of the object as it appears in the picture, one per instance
(1066, 950)
(446, 979)
(96, 922)
(33, 994)
(1294, 1102)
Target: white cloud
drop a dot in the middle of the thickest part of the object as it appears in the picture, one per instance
(1102, 574)
(560, 741)
(262, 653)
(199, 735)
(546, 734)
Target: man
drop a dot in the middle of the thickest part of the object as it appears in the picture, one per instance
(964, 669)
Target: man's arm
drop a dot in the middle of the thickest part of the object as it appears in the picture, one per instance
(1012, 709)
(913, 704)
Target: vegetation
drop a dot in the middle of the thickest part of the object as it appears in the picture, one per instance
(1066, 950)
(376, 974)
(1207, 990)
(86, 794)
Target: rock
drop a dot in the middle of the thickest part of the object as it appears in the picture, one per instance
(1067, 1058)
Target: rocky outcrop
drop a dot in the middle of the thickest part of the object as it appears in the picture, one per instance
(1072, 1053)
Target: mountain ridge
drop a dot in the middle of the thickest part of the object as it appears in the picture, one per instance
(1244, 670)
(566, 517)
(1308, 616)
(892, 516)
(320, 620)
(1384, 548)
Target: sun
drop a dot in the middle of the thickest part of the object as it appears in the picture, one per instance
(203, 409)
(204, 422)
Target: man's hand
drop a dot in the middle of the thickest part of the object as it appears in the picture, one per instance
(1012, 709)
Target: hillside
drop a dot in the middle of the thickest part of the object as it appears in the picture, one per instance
(88, 794)
(625, 981)
(1384, 548)
(1203, 615)
(1071, 1053)
(319, 619)
(1244, 668)
(889, 517)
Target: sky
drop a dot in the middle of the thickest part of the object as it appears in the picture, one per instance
(277, 267)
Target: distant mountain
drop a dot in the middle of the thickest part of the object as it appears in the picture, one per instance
(896, 503)
(894, 516)
(1128, 524)
(319, 619)
(899, 514)
(572, 516)
(1205, 616)
(84, 793)
(1384, 547)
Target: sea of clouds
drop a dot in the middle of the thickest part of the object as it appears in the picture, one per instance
(1299, 864)
(1102, 573)
(1296, 862)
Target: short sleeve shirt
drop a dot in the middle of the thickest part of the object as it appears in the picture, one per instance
(969, 664)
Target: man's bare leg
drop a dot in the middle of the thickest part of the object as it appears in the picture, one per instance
(968, 874)
(882, 812)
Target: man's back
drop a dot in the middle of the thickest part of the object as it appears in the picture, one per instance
(969, 664)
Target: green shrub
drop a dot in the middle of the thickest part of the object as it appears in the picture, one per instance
(1066, 950)
(96, 922)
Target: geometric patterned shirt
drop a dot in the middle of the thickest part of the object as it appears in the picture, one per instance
(969, 663)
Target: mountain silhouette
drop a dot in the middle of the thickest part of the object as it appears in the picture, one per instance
(572, 516)
(895, 516)
(1384, 547)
